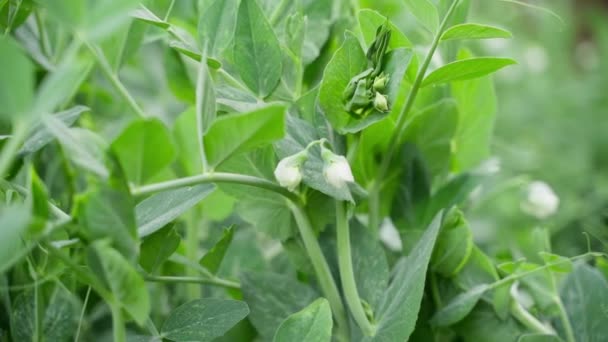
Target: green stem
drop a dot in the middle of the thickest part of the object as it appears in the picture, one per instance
(280, 8)
(113, 78)
(347, 276)
(215, 177)
(409, 104)
(193, 291)
(326, 281)
(528, 320)
(563, 316)
(11, 148)
(118, 324)
(193, 280)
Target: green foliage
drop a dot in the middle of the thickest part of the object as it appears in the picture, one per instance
(313, 323)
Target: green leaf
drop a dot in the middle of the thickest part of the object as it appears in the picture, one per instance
(127, 287)
(474, 31)
(425, 12)
(203, 320)
(213, 258)
(156, 211)
(216, 24)
(482, 324)
(539, 338)
(314, 323)
(158, 247)
(38, 201)
(236, 133)
(466, 69)
(584, 293)
(370, 20)
(348, 61)
(459, 307)
(272, 298)
(398, 310)
(454, 245)
(144, 14)
(14, 221)
(83, 147)
(205, 99)
(144, 148)
(17, 81)
(24, 313)
(61, 316)
(561, 263)
(177, 76)
(41, 136)
(257, 53)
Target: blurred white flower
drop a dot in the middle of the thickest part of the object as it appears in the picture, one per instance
(489, 166)
(390, 236)
(536, 59)
(541, 202)
(289, 170)
(337, 170)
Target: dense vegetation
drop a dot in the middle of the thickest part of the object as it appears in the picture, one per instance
(311, 170)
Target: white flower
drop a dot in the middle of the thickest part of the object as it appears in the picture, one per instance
(288, 172)
(380, 102)
(541, 202)
(336, 171)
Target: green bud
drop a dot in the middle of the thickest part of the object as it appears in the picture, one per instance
(380, 82)
(381, 102)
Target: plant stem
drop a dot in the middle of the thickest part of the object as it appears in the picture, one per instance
(276, 14)
(528, 320)
(347, 276)
(9, 151)
(193, 280)
(326, 281)
(113, 78)
(216, 177)
(563, 316)
(409, 104)
(118, 324)
(193, 290)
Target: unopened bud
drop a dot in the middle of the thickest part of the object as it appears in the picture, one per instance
(289, 170)
(381, 102)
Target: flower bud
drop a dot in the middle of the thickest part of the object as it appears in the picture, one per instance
(337, 170)
(540, 201)
(289, 170)
(381, 102)
(380, 82)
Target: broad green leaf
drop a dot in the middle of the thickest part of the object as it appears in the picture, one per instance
(319, 22)
(158, 247)
(539, 338)
(194, 54)
(38, 201)
(177, 77)
(14, 221)
(348, 61)
(25, 309)
(217, 23)
(257, 53)
(82, 147)
(314, 323)
(559, 263)
(370, 20)
(474, 31)
(67, 12)
(205, 99)
(236, 133)
(398, 310)
(476, 100)
(466, 69)
(144, 148)
(156, 211)
(459, 307)
(61, 315)
(482, 324)
(584, 293)
(144, 14)
(426, 12)
(107, 211)
(127, 287)
(454, 245)
(272, 298)
(41, 136)
(203, 320)
(17, 81)
(213, 258)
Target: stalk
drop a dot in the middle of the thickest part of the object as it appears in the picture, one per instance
(118, 324)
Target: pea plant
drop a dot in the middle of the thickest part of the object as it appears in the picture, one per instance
(260, 170)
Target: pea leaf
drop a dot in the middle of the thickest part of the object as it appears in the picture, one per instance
(144, 14)
(216, 24)
(398, 310)
(313, 323)
(205, 99)
(158, 247)
(156, 211)
(474, 31)
(14, 221)
(126, 285)
(60, 316)
(144, 148)
(370, 20)
(273, 298)
(426, 12)
(17, 81)
(177, 76)
(585, 297)
(213, 258)
(257, 52)
(466, 69)
(203, 320)
(454, 245)
(235, 133)
(561, 263)
(458, 307)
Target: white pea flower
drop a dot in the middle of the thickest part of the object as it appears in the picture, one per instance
(541, 202)
(289, 170)
(337, 170)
